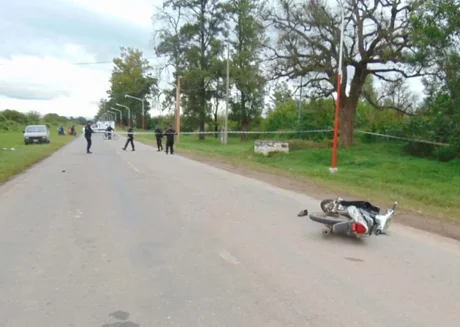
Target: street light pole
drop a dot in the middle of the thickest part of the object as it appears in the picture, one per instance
(129, 113)
(334, 168)
(114, 113)
(225, 138)
(300, 101)
(121, 115)
(142, 100)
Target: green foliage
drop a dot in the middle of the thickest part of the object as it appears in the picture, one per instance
(246, 73)
(15, 116)
(132, 75)
(375, 164)
(12, 120)
(200, 48)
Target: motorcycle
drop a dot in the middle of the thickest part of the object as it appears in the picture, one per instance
(110, 135)
(354, 218)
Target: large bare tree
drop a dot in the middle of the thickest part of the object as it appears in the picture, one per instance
(376, 42)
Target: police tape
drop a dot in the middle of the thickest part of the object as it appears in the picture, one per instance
(403, 138)
(239, 132)
(296, 132)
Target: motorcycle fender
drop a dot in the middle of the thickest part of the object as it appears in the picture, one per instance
(343, 227)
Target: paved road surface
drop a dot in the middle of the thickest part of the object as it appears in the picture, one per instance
(143, 239)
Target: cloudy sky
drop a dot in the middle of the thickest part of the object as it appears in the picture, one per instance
(45, 42)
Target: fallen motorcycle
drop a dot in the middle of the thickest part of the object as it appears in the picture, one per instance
(355, 218)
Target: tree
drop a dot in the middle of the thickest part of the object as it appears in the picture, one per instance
(33, 117)
(131, 74)
(436, 31)
(201, 50)
(171, 44)
(15, 116)
(281, 94)
(376, 42)
(246, 75)
(103, 106)
(218, 88)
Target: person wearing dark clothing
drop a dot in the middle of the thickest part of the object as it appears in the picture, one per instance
(159, 136)
(109, 132)
(88, 133)
(130, 139)
(170, 139)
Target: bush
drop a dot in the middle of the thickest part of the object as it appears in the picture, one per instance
(15, 116)
(9, 125)
(447, 153)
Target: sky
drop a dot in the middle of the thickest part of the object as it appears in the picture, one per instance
(43, 40)
(45, 43)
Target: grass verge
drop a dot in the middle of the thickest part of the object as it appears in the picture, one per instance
(23, 156)
(377, 172)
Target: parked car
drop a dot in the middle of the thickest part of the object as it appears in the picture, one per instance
(36, 134)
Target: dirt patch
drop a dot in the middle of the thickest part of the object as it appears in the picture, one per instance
(306, 186)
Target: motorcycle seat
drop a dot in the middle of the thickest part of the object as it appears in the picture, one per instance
(364, 205)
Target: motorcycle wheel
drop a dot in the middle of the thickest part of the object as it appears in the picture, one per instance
(326, 205)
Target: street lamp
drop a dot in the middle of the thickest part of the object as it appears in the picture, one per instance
(334, 168)
(113, 113)
(121, 115)
(142, 100)
(129, 112)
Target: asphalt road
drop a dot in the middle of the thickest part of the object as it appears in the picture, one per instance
(126, 239)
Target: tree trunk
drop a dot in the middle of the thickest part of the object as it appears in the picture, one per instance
(347, 121)
(216, 124)
(244, 128)
(348, 107)
(244, 118)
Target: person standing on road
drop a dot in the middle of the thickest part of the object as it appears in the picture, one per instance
(130, 139)
(170, 139)
(88, 133)
(159, 136)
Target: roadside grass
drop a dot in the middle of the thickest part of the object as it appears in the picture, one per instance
(376, 172)
(14, 162)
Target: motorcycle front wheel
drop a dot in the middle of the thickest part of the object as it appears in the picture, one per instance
(327, 205)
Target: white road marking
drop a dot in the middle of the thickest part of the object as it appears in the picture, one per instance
(228, 257)
(134, 168)
(130, 164)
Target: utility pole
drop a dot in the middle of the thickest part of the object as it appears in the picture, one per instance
(300, 100)
(334, 168)
(225, 138)
(178, 109)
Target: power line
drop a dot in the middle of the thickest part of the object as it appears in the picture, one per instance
(93, 62)
(103, 62)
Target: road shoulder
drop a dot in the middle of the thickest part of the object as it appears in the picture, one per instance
(305, 186)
